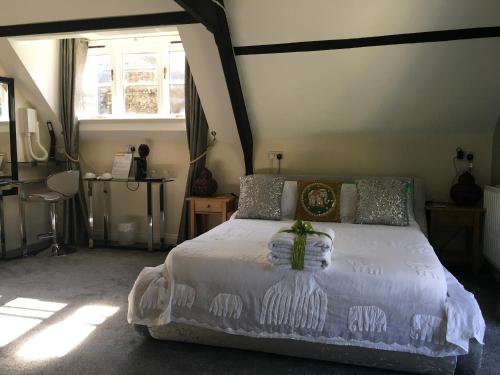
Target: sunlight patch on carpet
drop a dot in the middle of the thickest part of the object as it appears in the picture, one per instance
(23, 314)
(61, 338)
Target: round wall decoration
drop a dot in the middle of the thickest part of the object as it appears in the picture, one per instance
(318, 200)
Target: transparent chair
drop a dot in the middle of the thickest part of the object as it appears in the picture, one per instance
(58, 188)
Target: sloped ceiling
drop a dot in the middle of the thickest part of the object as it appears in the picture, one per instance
(32, 11)
(420, 88)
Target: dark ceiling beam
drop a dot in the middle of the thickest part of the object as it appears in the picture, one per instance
(383, 40)
(212, 14)
(106, 23)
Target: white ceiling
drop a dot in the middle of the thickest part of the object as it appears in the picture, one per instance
(418, 88)
(281, 21)
(32, 11)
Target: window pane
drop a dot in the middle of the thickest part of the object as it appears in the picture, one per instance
(105, 102)
(96, 95)
(140, 76)
(4, 105)
(141, 99)
(177, 99)
(177, 65)
(139, 60)
(103, 66)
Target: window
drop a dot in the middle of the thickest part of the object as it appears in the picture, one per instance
(4, 103)
(134, 78)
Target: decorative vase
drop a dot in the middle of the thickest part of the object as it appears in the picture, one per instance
(204, 185)
(466, 192)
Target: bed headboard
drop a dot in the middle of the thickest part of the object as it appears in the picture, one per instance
(418, 191)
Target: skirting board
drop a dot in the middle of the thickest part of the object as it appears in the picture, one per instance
(33, 248)
(170, 238)
(468, 364)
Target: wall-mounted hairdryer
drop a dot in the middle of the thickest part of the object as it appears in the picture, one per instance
(28, 127)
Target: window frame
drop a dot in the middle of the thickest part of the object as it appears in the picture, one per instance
(4, 117)
(116, 48)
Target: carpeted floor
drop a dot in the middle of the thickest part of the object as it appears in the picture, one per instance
(104, 277)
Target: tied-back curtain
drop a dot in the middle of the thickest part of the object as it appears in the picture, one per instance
(73, 53)
(197, 137)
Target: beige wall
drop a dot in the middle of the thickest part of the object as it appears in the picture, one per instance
(399, 110)
(169, 154)
(426, 156)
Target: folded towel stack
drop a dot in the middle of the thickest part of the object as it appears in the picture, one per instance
(318, 251)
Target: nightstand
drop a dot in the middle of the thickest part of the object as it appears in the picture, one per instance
(223, 206)
(451, 215)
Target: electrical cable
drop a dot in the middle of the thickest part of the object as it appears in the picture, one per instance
(30, 149)
(457, 172)
(70, 158)
(210, 144)
(132, 189)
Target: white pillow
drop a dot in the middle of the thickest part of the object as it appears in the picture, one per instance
(289, 200)
(348, 203)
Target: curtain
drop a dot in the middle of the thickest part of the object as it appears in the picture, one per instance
(73, 53)
(197, 137)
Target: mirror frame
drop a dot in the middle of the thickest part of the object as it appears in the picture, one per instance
(12, 127)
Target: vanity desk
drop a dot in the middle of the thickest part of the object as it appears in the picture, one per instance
(105, 186)
(6, 189)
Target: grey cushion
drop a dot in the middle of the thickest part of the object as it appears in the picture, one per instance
(382, 202)
(260, 197)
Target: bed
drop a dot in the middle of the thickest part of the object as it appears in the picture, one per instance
(385, 301)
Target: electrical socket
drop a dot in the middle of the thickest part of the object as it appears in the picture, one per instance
(130, 148)
(273, 155)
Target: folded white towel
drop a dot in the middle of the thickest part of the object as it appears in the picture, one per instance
(286, 253)
(309, 263)
(314, 243)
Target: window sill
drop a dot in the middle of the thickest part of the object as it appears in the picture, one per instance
(133, 125)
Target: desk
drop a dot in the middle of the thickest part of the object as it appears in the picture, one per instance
(10, 188)
(6, 189)
(107, 207)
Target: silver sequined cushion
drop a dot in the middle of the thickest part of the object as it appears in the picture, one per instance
(382, 202)
(260, 197)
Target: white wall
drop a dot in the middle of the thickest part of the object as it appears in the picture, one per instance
(37, 214)
(225, 160)
(15, 67)
(41, 59)
(390, 110)
(395, 110)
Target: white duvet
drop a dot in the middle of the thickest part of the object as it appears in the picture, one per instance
(385, 289)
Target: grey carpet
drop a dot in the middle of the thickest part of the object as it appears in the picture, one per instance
(106, 276)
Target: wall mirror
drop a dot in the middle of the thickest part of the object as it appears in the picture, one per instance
(8, 149)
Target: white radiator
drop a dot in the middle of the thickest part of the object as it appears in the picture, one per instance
(492, 225)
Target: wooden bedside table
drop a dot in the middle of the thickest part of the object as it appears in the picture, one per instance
(223, 206)
(470, 218)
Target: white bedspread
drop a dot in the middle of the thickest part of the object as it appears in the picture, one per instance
(385, 289)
